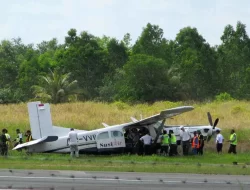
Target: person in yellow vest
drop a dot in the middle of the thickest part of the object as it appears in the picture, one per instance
(164, 143)
(233, 142)
(28, 136)
(172, 142)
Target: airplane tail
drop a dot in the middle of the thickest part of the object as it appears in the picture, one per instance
(40, 120)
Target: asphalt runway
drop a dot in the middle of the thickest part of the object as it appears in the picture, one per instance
(74, 180)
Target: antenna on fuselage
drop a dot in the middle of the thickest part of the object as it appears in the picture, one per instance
(133, 119)
(105, 125)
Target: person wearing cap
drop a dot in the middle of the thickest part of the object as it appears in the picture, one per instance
(219, 141)
(201, 143)
(233, 142)
(185, 140)
(73, 144)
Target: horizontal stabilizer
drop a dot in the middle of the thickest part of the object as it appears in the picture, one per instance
(41, 140)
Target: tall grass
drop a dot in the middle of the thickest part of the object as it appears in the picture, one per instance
(90, 115)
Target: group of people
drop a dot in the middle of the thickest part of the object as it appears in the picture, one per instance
(197, 142)
(232, 140)
(6, 143)
(141, 143)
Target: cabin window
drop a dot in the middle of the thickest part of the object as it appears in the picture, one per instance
(116, 134)
(104, 135)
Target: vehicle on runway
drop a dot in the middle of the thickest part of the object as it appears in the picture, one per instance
(49, 138)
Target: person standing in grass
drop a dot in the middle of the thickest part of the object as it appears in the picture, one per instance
(172, 142)
(147, 141)
(185, 140)
(233, 142)
(201, 142)
(28, 136)
(164, 143)
(219, 142)
(3, 143)
(72, 139)
(195, 144)
(7, 138)
(19, 139)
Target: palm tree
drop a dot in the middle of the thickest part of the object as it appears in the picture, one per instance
(55, 87)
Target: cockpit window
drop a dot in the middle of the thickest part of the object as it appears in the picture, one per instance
(104, 135)
(116, 134)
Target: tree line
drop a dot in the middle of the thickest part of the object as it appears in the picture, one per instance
(87, 67)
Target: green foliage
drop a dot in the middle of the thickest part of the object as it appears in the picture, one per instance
(85, 59)
(223, 97)
(120, 105)
(237, 110)
(233, 61)
(8, 95)
(196, 63)
(55, 87)
(154, 68)
(145, 79)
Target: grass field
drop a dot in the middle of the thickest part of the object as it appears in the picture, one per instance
(90, 115)
(210, 163)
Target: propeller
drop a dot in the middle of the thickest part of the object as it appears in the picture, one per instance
(210, 118)
(215, 123)
(212, 124)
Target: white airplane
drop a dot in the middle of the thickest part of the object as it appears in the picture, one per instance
(49, 138)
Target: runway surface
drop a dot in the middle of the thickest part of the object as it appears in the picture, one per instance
(74, 180)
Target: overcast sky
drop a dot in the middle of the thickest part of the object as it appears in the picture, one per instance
(38, 20)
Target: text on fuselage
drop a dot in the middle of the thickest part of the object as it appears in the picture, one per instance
(89, 137)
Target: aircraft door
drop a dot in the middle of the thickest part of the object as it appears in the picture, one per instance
(110, 140)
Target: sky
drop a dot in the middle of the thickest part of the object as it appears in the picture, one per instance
(35, 21)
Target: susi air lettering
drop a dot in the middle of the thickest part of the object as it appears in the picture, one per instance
(110, 144)
(89, 137)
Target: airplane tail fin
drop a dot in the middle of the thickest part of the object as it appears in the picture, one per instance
(40, 120)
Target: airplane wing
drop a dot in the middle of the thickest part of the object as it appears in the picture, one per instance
(44, 139)
(163, 115)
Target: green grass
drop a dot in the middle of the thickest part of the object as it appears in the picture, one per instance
(210, 163)
(90, 115)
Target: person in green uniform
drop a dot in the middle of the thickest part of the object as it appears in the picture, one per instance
(172, 142)
(164, 143)
(233, 142)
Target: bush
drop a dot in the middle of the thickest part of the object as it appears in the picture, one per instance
(120, 105)
(8, 95)
(222, 97)
(237, 110)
